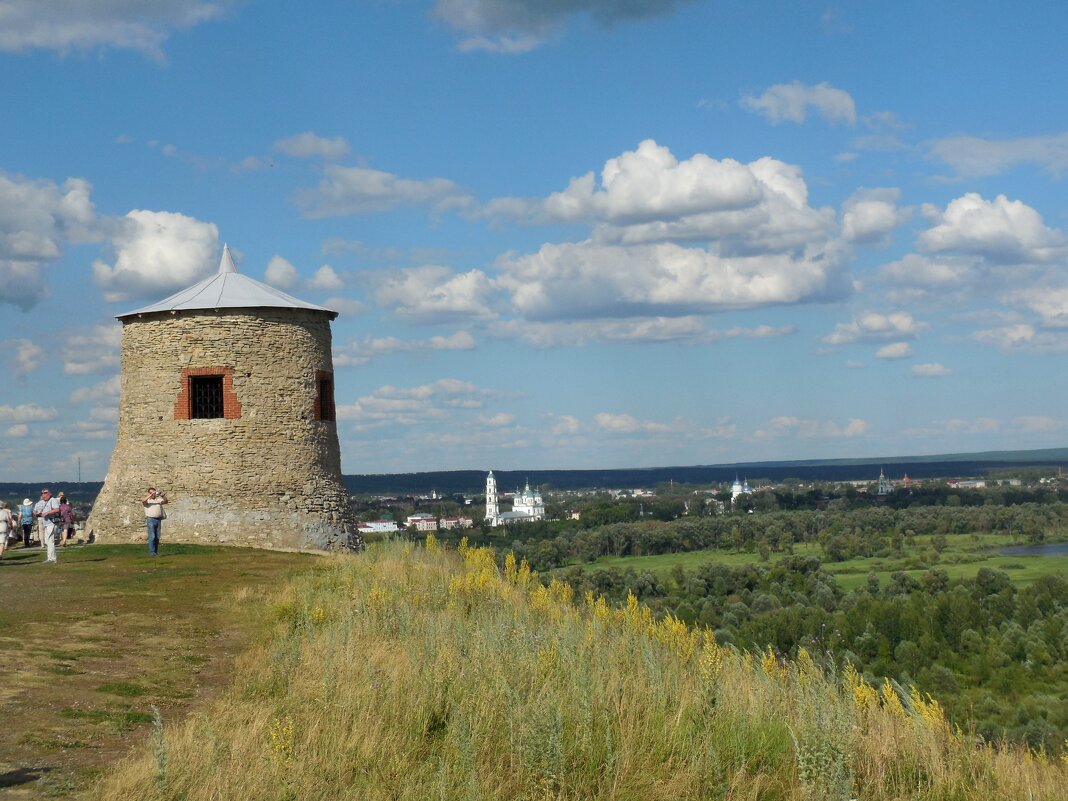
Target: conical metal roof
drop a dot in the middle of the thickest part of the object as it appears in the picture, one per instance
(227, 289)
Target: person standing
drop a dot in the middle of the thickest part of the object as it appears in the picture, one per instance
(26, 521)
(154, 515)
(7, 526)
(66, 520)
(47, 512)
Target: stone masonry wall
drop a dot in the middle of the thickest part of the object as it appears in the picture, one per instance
(270, 477)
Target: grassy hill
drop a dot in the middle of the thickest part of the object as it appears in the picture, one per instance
(412, 673)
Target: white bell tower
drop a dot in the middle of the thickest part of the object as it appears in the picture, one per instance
(493, 512)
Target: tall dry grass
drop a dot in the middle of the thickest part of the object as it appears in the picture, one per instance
(410, 673)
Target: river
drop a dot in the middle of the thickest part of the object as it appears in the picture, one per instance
(1051, 549)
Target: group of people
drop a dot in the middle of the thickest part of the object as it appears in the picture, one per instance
(54, 519)
(52, 516)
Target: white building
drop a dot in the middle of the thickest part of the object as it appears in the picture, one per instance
(884, 484)
(384, 524)
(527, 505)
(422, 521)
(457, 522)
(493, 509)
(738, 489)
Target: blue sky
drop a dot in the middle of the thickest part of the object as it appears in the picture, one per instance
(577, 233)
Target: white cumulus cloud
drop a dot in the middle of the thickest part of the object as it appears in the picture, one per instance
(157, 253)
(565, 425)
(787, 426)
(28, 355)
(359, 352)
(647, 195)
(871, 215)
(1022, 336)
(281, 273)
(792, 102)
(37, 218)
(124, 24)
(326, 278)
(930, 370)
(359, 190)
(874, 326)
(107, 390)
(436, 294)
(895, 350)
(1030, 424)
(309, 145)
(1000, 230)
(95, 351)
(975, 157)
(576, 280)
(26, 413)
(390, 405)
(1049, 303)
(518, 26)
(628, 424)
(927, 273)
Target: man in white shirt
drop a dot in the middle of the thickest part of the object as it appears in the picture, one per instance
(154, 514)
(46, 511)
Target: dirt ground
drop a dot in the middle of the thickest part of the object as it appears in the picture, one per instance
(92, 647)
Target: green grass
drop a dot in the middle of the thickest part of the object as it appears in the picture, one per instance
(123, 688)
(1023, 570)
(76, 638)
(123, 718)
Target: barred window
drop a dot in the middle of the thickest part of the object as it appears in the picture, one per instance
(206, 396)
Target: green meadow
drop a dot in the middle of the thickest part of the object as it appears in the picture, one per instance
(961, 559)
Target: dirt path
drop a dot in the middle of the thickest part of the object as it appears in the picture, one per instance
(92, 646)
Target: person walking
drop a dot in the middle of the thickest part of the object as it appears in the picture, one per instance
(7, 526)
(154, 516)
(26, 521)
(47, 512)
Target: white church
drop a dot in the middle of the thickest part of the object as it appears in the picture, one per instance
(527, 505)
(738, 489)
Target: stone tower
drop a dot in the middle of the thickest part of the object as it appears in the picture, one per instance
(227, 405)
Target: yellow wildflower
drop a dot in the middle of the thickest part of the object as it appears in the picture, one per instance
(890, 699)
(511, 570)
(280, 731)
(546, 660)
(711, 662)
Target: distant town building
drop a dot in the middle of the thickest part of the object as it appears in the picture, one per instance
(457, 522)
(884, 484)
(493, 509)
(527, 505)
(384, 524)
(739, 488)
(422, 521)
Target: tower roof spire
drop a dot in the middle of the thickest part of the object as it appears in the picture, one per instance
(226, 263)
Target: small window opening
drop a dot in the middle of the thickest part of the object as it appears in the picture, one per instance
(206, 396)
(325, 400)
